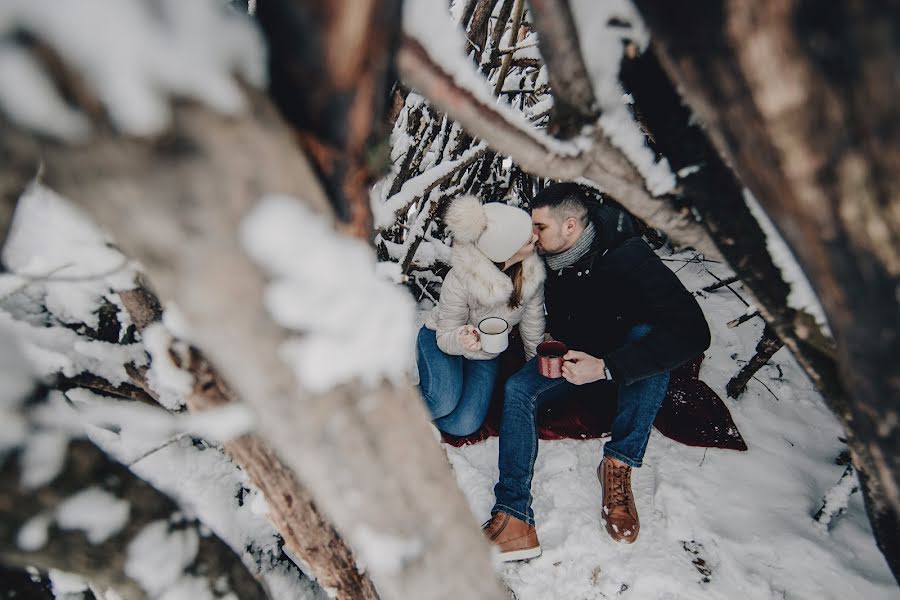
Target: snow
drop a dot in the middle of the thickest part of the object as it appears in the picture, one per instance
(207, 485)
(688, 170)
(43, 457)
(53, 350)
(837, 499)
(746, 515)
(33, 100)
(147, 423)
(52, 243)
(157, 557)
(383, 553)
(96, 512)
(154, 53)
(171, 383)
(385, 214)
(34, 534)
(354, 324)
(801, 297)
(432, 25)
(67, 585)
(602, 54)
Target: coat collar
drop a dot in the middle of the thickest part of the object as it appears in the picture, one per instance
(488, 284)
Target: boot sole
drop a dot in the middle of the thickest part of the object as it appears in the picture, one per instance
(524, 554)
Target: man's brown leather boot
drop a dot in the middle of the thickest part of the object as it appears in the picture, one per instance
(516, 539)
(619, 511)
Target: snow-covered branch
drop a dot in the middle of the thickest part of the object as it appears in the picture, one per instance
(592, 158)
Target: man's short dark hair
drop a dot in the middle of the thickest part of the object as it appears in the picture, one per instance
(565, 200)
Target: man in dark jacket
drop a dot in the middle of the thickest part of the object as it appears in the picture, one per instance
(627, 321)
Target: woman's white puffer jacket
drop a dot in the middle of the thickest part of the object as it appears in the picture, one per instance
(475, 289)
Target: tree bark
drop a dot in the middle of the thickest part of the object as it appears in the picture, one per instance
(802, 100)
(477, 31)
(306, 532)
(330, 66)
(574, 105)
(177, 208)
(103, 563)
(518, 9)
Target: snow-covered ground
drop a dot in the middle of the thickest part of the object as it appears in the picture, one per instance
(714, 523)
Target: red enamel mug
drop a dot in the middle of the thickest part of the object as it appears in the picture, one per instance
(550, 358)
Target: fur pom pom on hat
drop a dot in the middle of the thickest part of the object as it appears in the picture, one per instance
(497, 229)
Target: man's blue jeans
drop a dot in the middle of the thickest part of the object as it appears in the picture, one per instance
(528, 390)
(457, 390)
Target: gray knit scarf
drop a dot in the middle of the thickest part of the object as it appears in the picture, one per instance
(555, 262)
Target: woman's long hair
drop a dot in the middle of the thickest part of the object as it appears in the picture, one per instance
(517, 274)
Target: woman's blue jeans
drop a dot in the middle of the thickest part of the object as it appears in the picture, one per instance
(528, 390)
(456, 390)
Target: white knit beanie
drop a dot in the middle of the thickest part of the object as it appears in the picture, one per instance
(497, 229)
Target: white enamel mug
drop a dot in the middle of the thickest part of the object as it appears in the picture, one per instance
(494, 334)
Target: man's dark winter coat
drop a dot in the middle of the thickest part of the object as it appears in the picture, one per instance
(618, 284)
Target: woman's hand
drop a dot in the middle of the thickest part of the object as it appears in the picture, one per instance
(469, 340)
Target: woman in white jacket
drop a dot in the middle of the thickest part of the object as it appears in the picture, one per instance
(495, 273)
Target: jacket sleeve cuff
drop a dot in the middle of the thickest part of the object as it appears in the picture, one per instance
(614, 371)
(448, 341)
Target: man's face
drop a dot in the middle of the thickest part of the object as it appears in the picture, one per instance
(553, 236)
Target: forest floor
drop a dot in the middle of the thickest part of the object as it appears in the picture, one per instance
(715, 524)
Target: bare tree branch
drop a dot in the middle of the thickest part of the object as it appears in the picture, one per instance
(574, 105)
(518, 9)
(539, 154)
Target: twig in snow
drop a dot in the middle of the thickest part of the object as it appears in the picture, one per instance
(728, 285)
(777, 399)
(721, 283)
(156, 449)
(767, 346)
(743, 319)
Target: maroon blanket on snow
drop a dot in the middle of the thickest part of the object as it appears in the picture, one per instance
(692, 413)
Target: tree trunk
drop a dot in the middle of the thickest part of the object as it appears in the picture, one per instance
(306, 532)
(478, 28)
(330, 65)
(367, 454)
(802, 100)
(104, 562)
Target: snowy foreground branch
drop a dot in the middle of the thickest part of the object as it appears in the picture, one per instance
(100, 521)
(363, 448)
(307, 533)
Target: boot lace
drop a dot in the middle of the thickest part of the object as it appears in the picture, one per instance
(619, 492)
(491, 523)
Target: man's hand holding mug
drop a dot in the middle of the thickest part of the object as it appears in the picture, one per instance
(580, 368)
